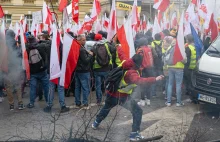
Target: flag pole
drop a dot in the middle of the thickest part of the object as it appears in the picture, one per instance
(54, 13)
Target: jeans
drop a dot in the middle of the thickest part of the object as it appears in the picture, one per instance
(60, 94)
(44, 79)
(126, 102)
(82, 80)
(145, 89)
(176, 74)
(99, 76)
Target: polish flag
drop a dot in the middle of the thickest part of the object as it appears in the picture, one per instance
(24, 53)
(1, 12)
(112, 28)
(70, 58)
(88, 22)
(24, 24)
(106, 21)
(96, 9)
(203, 11)
(144, 23)
(134, 14)
(47, 15)
(149, 25)
(194, 2)
(190, 13)
(213, 27)
(162, 5)
(98, 26)
(3, 49)
(179, 51)
(11, 27)
(156, 27)
(75, 11)
(34, 28)
(17, 30)
(126, 39)
(55, 71)
(62, 5)
(174, 22)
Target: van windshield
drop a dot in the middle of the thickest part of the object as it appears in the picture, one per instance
(214, 49)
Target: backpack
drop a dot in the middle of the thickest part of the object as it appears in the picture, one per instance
(148, 61)
(35, 58)
(113, 79)
(158, 49)
(103, 56)
(168, 57)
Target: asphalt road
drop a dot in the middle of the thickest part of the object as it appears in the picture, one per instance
(193, 122)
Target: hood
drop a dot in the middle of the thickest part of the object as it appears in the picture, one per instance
(10, 39)
(209, 64)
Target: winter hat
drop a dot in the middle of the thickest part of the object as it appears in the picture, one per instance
(31, 39)
(142, 42)
(137, 59)
(98, 37)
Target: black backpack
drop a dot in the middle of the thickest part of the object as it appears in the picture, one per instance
(102, 56)
(113, 79)
(158, 58)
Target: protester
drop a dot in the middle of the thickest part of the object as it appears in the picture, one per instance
(103, 63)
(37, 53)
(12, 78)
(191, 63)
(82, 75)
(122, 97)
(207, 43)
(167, 43)
(52, 86)
(147, 70)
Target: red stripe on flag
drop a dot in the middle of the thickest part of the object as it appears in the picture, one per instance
(177, 57)
(123, 40)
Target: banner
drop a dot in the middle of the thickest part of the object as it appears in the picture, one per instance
(37, 16)
(125, 6)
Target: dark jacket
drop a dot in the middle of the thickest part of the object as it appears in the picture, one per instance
(44, 49)
(14, 57)
(188, 55)
(84, 61)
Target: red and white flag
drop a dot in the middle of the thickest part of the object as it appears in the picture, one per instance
(24, 53)
(134, 14)
(34, 28)
(1, 12)
(179, 51)
(126, 39)
(194, 2)
(11, 27)
(88, 22)
(213, 27)
(149, 25)
(96, 9)
(24, 24)
(75, 11)
(3, 49)
(55, 70)
(62, 5)
(190, 13)
(112, 27)
(173, 21)
(156, 27)
(203, 10)
(17, 30)
(106, 21)
(47, 15)
(161, 5)
(70, 58)
(98, 26)
(144, 23)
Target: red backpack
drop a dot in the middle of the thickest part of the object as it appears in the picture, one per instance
(146, 52)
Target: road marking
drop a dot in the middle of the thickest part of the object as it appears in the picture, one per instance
(174, 122)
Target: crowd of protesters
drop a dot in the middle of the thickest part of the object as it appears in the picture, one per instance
(97, 59)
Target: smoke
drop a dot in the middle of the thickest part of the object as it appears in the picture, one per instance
(14, 57)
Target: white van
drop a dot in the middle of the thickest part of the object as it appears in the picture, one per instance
(206, 77)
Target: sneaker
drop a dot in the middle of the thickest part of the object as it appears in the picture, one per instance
(168, 104)
(86, 107)
(141, 103)
(135, 136)
(77, 106)
(148, 102)
(179, 104)
(47, 109)
(30, 105)
(1, 99)
(21, 106)
(95, 125)
(11, 107)
(64, 109)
